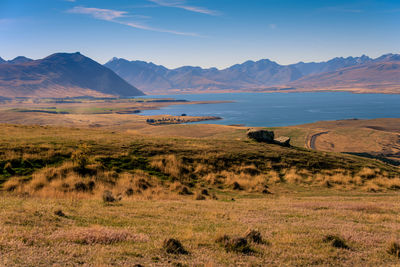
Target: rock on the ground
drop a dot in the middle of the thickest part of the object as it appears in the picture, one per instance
(261, 135)
(283, 141)
(267, 137)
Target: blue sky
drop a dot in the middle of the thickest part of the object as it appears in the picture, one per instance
(207, 33)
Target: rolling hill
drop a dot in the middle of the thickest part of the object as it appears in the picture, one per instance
(351, 73)
(61, 75)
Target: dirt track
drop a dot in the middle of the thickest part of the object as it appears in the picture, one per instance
(313, 139)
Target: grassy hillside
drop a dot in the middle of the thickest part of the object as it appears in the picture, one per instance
(110, 189)
(41, 159)
(379, 138)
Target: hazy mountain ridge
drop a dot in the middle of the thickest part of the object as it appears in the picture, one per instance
(371, 76)
(61, 75)
(17, 60)
(250, 75)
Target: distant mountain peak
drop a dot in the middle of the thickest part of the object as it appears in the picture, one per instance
(245, 76)
(62, 75)
(113, 59)
(66, 55)
(19, 60)
(388, 57)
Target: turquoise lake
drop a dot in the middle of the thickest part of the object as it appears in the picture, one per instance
(284, 109)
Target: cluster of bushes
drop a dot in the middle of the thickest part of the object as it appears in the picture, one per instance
(167, 120)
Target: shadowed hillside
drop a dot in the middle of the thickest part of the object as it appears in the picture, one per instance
(61, 75)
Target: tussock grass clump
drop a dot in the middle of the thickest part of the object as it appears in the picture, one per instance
(292, 176)
(60, 213)
(133, 183)
(129, 192)
(108, 197)
(174, 246)
(265, 189)
(236, 186)
(199, 197)
(204, 192)
(185, 191)
(169, 164)
(214, 196)
(394, 249)
(142, 184)
(336, 241)
(11, 185)
(236, 179)
(84, 187)
(368, 173)
(64, 180)
(8, 168)
(250, 170)
(234, 244)
(254, 236)
(179, 188)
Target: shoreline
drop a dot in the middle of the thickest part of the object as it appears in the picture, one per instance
(274, 91)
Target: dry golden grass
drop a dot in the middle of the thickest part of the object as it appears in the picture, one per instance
(98, 235)
(157, 163)
(52, 211)
(293, 220)
(378, 137)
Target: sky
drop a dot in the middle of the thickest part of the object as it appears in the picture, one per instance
(206, 33)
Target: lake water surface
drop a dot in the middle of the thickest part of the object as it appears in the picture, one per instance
(283, 109)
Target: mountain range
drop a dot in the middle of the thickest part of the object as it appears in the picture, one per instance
(61, 75)
(351, 73)
(380, 75)
(17, 60)
(73, 75)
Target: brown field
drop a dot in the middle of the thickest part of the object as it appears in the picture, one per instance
(377, 137)
(292, 222)
(107, 189)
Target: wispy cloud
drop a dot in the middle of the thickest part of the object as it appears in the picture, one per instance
(272, 26)
(182, 4)
(149, 28)
(99, 13)
(116, 16)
